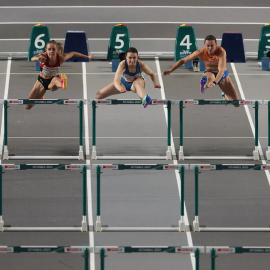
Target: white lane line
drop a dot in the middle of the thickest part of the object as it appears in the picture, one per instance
(89, 182)
(250, 118)
(189, 237)
(5, 97)
(128, 7)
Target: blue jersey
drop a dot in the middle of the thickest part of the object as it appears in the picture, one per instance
(128, 78)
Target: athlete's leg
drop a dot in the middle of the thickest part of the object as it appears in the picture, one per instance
(55, 84)
(210, 78)
(37, 92)
(228, 88)
(138, 87)
(107, 91)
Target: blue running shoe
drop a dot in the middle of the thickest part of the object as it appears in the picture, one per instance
(146, 100)
(203, 83)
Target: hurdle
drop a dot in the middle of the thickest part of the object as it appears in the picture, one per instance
(38, 102)
(196, 250)
(49, 249)
(267, 102)
(255, 155)
(181, 168)
(213, 250)
(202, 167)
(22, 167)
(96, 102)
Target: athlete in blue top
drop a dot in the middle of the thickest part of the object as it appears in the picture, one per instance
(128, 77)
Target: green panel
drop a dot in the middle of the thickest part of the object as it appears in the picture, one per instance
(40, 36)
(264, 42)
(185, 42)
(119, 41)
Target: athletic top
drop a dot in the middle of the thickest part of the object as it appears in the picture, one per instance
(211, 63)
(131, 77)
(49, 70)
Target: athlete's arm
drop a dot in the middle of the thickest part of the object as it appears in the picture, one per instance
(64, 57)
(181, 62)
(42, 57)
(117, 77)
(147, 70)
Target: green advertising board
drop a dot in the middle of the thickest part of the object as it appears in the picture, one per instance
(264, 41)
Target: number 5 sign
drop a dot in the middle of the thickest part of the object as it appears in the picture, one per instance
(39, 37)
(119, 41)
(185, 42)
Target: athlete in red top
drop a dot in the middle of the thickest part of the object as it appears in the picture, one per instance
(216, 72)
(49, 77)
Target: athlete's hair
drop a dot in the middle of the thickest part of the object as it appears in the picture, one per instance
(210, 37)
(132, 50)
(59, 46)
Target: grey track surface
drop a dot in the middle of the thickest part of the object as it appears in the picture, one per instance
(139, 198)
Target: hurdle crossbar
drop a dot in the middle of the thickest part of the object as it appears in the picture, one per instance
(7, 167)
(48, 249)
(96, 102)
(8, 102)
(180, 167)
(214, 250)
(203, 167)
(254, 156)
(196, 250)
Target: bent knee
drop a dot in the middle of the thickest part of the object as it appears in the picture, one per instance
(98, 95)
(28, 106)
(138, 81)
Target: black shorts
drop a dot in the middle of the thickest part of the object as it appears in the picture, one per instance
(44, 82)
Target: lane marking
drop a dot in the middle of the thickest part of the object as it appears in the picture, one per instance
(177, 175)
(250, 118)
(89, 182)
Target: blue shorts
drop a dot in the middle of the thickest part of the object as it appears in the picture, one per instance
(226, 73)
(126, 84)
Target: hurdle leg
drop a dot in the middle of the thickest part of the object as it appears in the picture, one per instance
(268, 150)
(5, 152)
(98, 221)
(86, 259)
(169, 150)
(182, 225)
(196, 226)
(94, 151)
(81, 156)
(84, 220)
(256, 154)
(181, 152)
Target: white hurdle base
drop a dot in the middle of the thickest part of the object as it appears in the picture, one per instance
(233, 229)
(220, 157)
(139, 229)
(131, 157)
(42, 157)
(42, 229)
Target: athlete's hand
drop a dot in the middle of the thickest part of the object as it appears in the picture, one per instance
(42, 58)
(91, 57)
(157, 85)
(209, 85)
(166, 72)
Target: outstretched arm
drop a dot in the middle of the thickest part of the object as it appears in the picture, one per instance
(67, 56)
(147, 70)
(181, 62)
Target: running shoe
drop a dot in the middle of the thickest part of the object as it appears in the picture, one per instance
(63, 78)
(146, 100)
(203, 83)
(223, 96)
(43, 97)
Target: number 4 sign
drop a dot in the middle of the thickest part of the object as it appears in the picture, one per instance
(185, 42)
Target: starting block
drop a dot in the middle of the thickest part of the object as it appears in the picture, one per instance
(119, 41)
(233, 43)
(185, 42)
(39, 38)
(264, 42)
(265, 63)
(76, 41)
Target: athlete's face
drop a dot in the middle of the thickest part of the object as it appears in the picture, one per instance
(51, 50)
(132, 58)
(210, 46)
